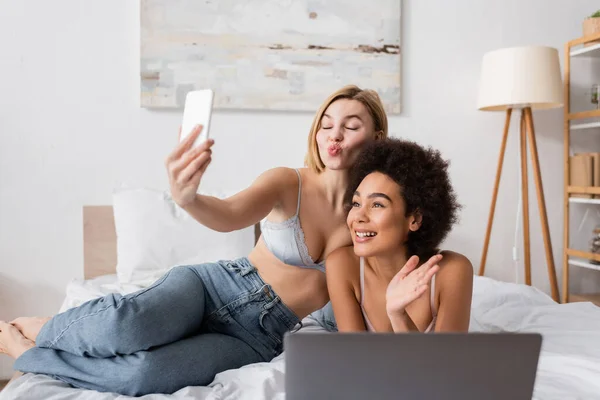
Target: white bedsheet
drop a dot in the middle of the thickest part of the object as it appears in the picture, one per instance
(569, 366)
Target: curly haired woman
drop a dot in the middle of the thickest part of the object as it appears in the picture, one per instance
(395, 279)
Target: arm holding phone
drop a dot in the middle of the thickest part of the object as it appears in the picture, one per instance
(189, 160)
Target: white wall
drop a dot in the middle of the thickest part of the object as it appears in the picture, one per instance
(71, 129)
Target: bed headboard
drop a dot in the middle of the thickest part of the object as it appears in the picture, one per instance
(100, 241)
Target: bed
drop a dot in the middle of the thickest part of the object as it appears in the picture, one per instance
(569, 366)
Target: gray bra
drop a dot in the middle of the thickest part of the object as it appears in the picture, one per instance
(286, 239)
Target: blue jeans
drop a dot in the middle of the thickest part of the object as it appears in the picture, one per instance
(193, 323)
(325, 318)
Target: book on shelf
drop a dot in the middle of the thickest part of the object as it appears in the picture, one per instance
(584, 170)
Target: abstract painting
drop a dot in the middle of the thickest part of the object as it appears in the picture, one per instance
(268, 54)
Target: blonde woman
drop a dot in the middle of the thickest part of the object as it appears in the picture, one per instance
(199, 320)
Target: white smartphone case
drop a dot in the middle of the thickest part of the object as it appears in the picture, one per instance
(197, 111)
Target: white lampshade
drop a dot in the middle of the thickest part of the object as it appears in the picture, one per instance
(520, 77)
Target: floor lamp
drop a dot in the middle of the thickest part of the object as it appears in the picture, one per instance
(522, 78)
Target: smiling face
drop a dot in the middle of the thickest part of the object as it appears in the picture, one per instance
(345, 126)
(377, 220)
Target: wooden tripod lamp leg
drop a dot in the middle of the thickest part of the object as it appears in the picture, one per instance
(495, 193)
(525, 194)
(541, 204)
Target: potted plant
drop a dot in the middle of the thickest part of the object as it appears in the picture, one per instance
(591, 25)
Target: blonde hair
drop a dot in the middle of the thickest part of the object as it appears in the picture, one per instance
(369, 98)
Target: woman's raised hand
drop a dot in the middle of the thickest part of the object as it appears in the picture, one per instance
(409, 284)
(186, 165)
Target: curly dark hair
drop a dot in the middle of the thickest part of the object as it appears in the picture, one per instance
(424, 183)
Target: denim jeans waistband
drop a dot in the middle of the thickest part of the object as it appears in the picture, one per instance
(276, 306)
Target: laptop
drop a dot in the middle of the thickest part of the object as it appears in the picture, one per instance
(452, 366)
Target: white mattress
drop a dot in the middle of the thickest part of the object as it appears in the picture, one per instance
(569, 366)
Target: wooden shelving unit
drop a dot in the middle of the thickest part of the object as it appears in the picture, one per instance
(573, 122)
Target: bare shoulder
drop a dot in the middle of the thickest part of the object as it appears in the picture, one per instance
(343, 263)
(279, 175)
(455, 270)
(342, 268)
(456, 260)
(343, 258)
(282, 182)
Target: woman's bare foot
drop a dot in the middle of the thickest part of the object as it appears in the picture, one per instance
(30, 326)
(12, 342)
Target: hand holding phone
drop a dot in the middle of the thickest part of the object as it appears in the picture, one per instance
(197, 111)
(188, 161)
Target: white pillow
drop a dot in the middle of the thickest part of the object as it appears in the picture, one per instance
(154, 234)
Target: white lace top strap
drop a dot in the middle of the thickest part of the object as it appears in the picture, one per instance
(433, 307)
(368, 324)
(299, 191)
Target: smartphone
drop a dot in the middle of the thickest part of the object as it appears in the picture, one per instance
(197, 111)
